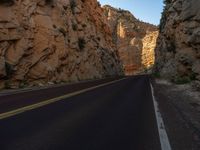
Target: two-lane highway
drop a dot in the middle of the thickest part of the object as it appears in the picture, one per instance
(117, 116)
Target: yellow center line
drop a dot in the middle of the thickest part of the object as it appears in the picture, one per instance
(50, 101)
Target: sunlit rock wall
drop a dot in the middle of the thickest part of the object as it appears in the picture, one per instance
(135, 40)
(53, 41)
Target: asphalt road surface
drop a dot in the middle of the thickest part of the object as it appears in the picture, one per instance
(118, 116)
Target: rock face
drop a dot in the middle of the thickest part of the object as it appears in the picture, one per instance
(178, 47)
(45, 41)
(135, 40)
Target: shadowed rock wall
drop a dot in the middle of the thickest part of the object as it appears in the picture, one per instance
(178, 47)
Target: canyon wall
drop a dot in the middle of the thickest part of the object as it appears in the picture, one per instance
(178, 47)
(53, 41)
(135, 40)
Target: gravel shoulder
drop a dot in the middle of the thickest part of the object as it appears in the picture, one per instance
(180, 108)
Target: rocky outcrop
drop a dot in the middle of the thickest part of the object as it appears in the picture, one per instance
(52, 41)
(178, 47)
(135, 40)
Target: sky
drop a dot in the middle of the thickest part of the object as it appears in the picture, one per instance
(145, 10)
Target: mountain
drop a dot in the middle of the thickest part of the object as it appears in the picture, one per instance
(178, 47)
(53, 41)
(135, 40)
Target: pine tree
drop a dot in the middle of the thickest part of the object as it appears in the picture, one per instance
(163, 16)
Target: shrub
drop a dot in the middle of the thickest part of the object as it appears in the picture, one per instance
(98, 3)
(7, 2)
(193, 76)
(74, 27)
(163, 20)
(81, 43)
(84, 25)
(65, 7)
(62, 30)
(164, 16)
(9, 70)
(171, 47)
(73, 5)
(54, 26)
(23, 84)
(182, 80)
(7, 85)
(49, 1)
(156, 74)
(98, 38)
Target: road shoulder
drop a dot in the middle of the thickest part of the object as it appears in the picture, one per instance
(180, 116)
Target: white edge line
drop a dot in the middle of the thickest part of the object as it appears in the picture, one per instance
(164, 140)
(53, 100)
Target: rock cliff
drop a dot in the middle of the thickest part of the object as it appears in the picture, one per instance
(52, 41)
(135, 40)
(178, 47)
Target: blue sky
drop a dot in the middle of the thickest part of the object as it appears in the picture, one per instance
(145, 10)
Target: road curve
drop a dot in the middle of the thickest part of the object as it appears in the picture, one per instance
(119, 116)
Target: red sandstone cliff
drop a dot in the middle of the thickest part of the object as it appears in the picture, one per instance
(135, 40)
(46, 41)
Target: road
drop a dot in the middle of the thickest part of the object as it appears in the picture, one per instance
(117, 116)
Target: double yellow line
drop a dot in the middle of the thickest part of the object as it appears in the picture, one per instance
(49, 101)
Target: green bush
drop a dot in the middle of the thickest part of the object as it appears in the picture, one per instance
(156, 75)
(7, 2)
(181, 80)
(65, 7)
(185, 79)
(81, 43)
(23, 84)
(73, 5)
(192, 76)
(7, 85)
(9, 70)
(62, 30)
(49, 2)
(163, 19)
(98, 38)
(74, 27)
(84, 25)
